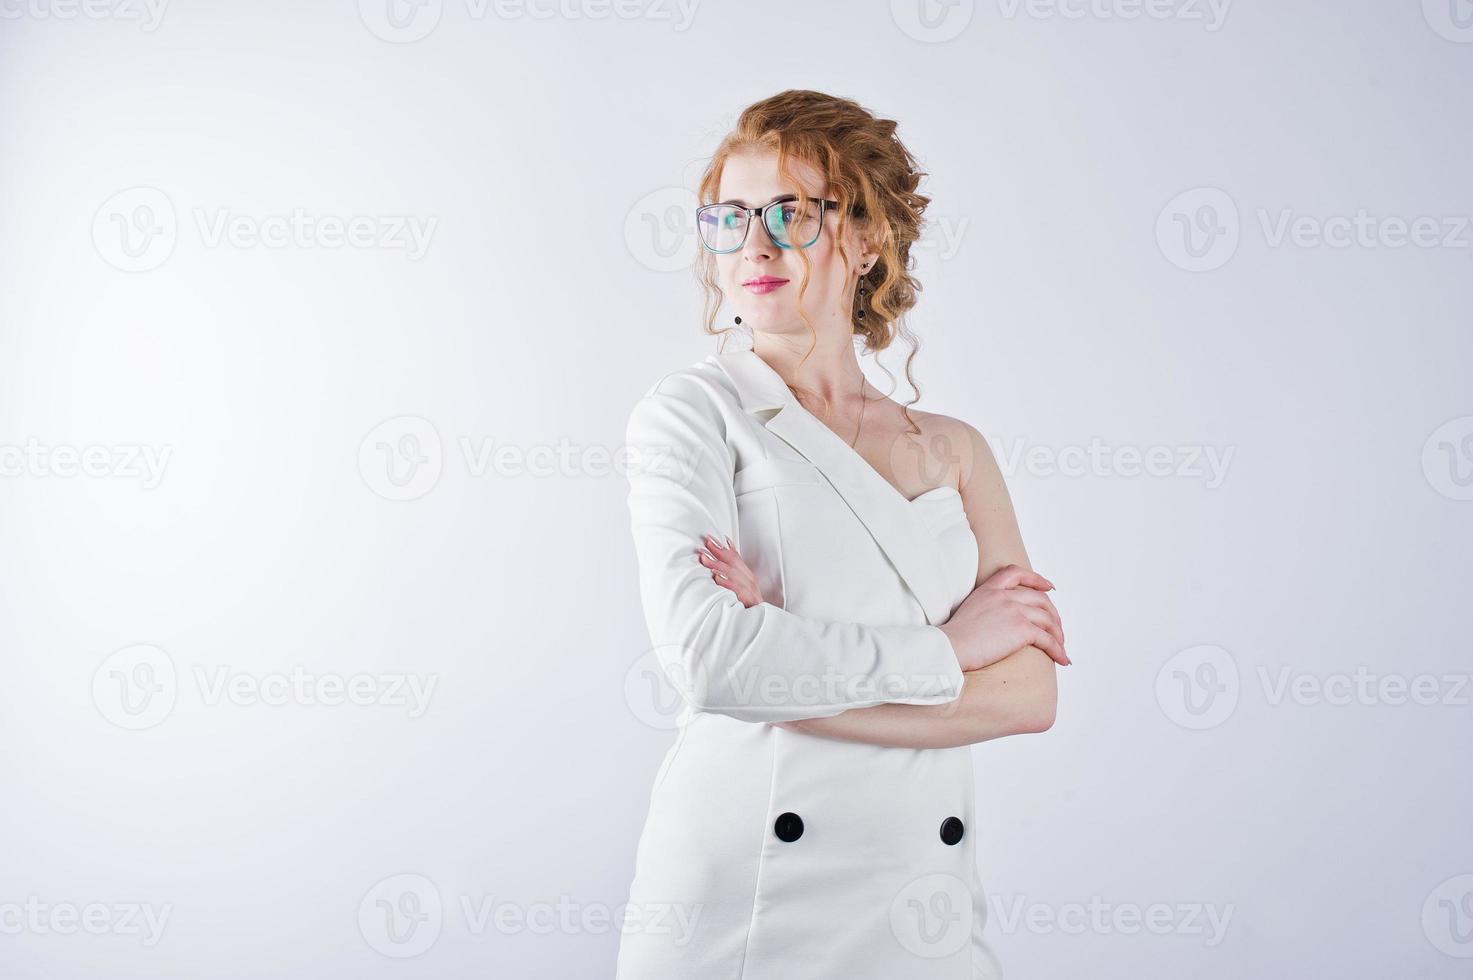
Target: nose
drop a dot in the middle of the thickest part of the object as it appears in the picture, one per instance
(758, 247)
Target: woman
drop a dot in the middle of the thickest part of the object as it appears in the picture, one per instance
(842, 618)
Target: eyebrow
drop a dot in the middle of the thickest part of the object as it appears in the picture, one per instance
(743, 204)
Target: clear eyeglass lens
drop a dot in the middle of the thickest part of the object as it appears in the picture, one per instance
(723, 227)
(794, 224)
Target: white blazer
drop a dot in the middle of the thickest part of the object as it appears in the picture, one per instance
(770, 854)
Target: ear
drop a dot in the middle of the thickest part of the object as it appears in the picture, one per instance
(867, 252)
(861, 248)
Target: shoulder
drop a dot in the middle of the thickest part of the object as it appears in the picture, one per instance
(685, 405)
(700, 383)
(955, 443)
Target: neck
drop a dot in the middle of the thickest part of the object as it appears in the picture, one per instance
(830, 371)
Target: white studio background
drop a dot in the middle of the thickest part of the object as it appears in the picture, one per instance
(320, 321)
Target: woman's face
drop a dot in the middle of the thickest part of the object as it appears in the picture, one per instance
(751, 179)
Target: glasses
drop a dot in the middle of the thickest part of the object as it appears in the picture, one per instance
(788, 223)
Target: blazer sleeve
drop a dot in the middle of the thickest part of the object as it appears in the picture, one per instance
(762, 664)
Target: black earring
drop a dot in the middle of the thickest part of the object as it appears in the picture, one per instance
(739, 321)
(860, 314)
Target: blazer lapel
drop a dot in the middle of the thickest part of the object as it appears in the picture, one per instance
(891, 519)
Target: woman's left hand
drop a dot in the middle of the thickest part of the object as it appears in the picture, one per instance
(729, 571)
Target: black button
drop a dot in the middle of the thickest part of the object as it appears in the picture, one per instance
(951, 830)
(789, 826)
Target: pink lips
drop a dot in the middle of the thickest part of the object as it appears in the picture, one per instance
(763, 285)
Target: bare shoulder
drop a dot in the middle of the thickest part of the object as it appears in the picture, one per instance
(984, 492)
(957, 449)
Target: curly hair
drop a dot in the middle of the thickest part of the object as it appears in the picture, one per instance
(869, 172)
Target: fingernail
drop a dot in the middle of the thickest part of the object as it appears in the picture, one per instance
(729, 544)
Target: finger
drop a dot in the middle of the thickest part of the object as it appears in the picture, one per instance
(1032, 597)
(733, 561)
(727, 577)
(712, 562)
(735, 569)
(1039, 600)
(1050, 646)
(1054, 612)
(1010, 576)
(1041, 618)
(719, 546)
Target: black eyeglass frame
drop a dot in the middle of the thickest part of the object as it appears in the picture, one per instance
(761, 215)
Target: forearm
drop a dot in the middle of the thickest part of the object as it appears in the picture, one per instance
(1016, 695)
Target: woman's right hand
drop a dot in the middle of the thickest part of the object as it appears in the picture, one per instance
(1007, 612)
(729, 570)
